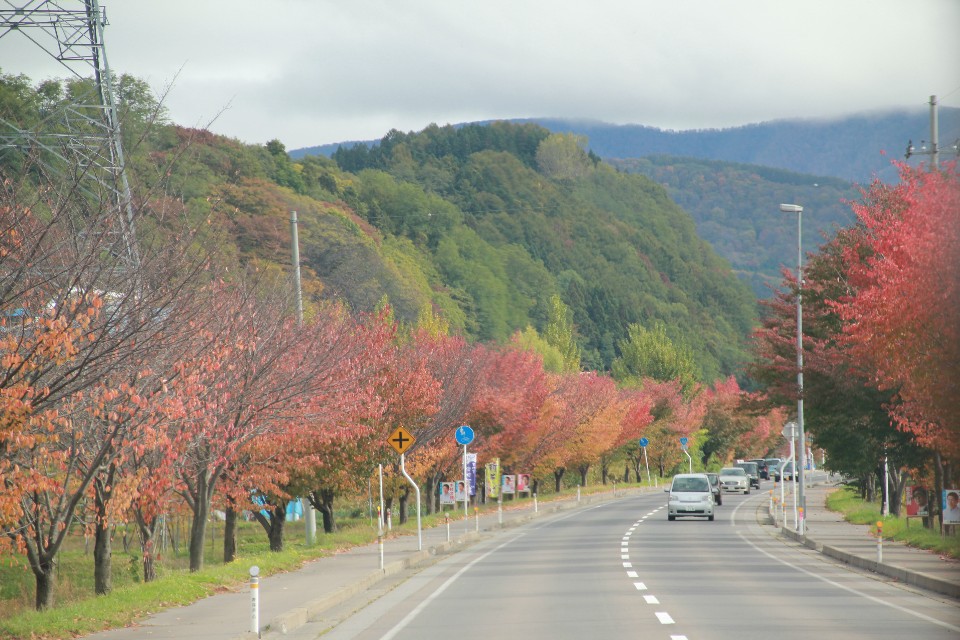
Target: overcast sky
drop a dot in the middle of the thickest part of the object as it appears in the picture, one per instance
(311, 72)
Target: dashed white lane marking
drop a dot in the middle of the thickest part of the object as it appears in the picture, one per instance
(640, 586)
(651, 599)
(627, 565)
(664, 617)
(625, 556)
(632, 574)
(678, 637)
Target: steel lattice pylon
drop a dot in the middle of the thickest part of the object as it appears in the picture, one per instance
(81, 135)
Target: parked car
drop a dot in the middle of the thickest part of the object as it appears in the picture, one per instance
(690, 495)
(752, 472)
(715, 485)
(734, 479)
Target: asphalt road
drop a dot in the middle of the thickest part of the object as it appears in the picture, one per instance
(621, 570)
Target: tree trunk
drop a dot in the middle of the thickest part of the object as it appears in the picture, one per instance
(44, 581)
(102, 560)
(103, 534)
(557, 477)
(404, 498)
(434, 502)
(583, 469)
(535, 486)
(198, 525)
(626, 471)
(273, 523)
(230, 533)
(326, 509)
(147, 531)
(102, 548)
(604, 469)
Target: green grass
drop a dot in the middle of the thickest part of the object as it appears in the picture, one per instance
(848, 502)
(78, 611)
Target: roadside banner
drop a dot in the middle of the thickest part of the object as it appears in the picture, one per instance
(472, 473)
(493, 478)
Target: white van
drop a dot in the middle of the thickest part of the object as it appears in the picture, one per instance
(690, 495)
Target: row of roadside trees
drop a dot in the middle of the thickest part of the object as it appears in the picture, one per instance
(881, 322)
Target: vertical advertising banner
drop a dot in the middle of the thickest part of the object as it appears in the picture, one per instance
(472, 473)
(493, 478)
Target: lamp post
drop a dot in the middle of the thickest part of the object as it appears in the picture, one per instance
(802, 457)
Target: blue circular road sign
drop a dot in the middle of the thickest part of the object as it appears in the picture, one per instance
(683, 441)
(644, 442)
(464, 435)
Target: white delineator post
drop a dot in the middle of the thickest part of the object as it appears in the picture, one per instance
(255, 600)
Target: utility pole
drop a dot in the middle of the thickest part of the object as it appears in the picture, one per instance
(934, 150)
(309, 514)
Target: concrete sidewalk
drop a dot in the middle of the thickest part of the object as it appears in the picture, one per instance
(288, 600)
(854, 544)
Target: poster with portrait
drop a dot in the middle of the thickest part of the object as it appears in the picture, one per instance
(493, 478)
(461, 491)
(917, 499)
(951, 506)
(446, 493)
(509, 486)
(523, 483)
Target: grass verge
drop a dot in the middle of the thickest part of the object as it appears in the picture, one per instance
(854, 509)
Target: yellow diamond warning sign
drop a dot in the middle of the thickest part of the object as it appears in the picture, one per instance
(401, 440)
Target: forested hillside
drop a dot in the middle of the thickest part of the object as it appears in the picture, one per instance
(479, 224)
(736, 208)
(554, 218)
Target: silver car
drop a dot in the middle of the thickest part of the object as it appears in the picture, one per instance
(734, 479)
(690, 495)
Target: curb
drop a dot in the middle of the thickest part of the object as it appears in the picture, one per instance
(901, 574)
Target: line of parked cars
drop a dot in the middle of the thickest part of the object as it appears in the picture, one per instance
(696, 494)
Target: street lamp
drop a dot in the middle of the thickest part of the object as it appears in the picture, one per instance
(797, 209)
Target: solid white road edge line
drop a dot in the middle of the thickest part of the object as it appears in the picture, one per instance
(917, 614)
(420, 607)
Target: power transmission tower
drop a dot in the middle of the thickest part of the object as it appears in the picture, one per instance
(80, 135)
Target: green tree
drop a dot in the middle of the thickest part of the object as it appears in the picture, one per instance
(560, 334)
(650, 353)
(561, 156)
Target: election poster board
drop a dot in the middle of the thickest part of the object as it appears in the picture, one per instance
(951, 507)
(447, 493)
(509, 485)
(523, 483)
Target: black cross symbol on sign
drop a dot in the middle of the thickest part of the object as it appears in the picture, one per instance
(401, 440)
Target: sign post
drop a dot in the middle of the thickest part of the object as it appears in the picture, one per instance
(464, 436)
(683, 445)
(401, 440)
(643, 445)
(790, 433)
